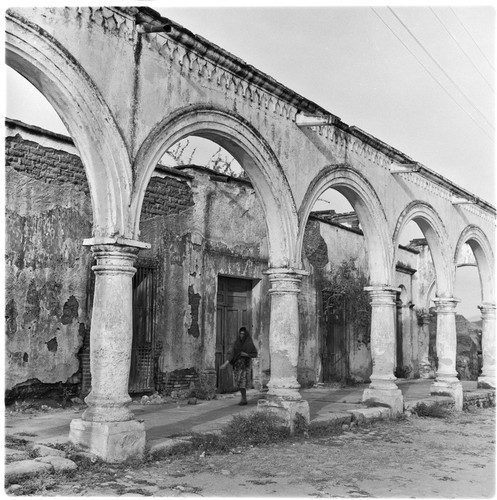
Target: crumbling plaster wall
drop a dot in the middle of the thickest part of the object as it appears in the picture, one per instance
(48, 214)
(221, 232)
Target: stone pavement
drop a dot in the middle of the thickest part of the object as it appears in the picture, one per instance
(172, 419)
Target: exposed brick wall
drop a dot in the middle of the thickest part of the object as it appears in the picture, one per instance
(178, 380)
(45, 164)
(165, 196)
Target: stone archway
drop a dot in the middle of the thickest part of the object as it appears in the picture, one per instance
(41, 59)
(250, 149)
(482, 250)
(63, 82)
(253, 153)
(425, 216)
(436, 235)
(368, 207)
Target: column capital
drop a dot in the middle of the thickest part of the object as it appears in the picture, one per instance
(115, 240)
(114, 259)
(285, 280)
(382, 295)
(446, 305)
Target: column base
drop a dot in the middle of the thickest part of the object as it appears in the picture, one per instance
(111, 441)
(452, 389)
(486, 382)
(286, 409)
(391, 397)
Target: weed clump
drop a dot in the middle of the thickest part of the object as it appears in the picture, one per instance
(261, 427)
(435, 410)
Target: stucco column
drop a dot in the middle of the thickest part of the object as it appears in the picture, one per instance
(107, 428)
(383, 342)
(425, 369)
(488, 346)
(283, 395)
(446, 381)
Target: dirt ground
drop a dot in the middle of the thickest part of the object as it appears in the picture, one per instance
(419, 457)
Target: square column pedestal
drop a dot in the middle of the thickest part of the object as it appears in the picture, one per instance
(112, 441)
(287, 410)
(389, 395)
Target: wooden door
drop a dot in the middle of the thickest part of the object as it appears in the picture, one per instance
(233, 312)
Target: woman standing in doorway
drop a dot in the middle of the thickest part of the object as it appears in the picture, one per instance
(243, 350)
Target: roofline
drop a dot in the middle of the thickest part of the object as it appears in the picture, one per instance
(240, 68)
(11, 122)
(228, 61)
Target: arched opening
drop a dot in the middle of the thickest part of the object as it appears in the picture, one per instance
(420, 241)
(58, 192)
(212, 213)
(474, 287)
(42, 61)
(252, 153)
(344, 243)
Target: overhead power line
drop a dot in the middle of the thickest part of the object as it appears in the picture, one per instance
(423, 48)
(477, 123)
(462, 49)
(471, 36)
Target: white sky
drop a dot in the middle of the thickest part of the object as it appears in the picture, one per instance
(434, 99)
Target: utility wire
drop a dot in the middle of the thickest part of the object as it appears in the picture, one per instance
(462, 49)
(440, 67)
(471, 36)
(477, 123)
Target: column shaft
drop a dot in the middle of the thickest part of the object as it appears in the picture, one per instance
(488, 346)
(283, 397)
(425, 370)
(383, 344)
(446, 381)
(107, 427)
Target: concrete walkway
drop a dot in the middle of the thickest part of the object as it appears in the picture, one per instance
(171, 419)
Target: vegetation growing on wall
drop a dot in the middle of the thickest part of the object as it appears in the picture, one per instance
(184, 153)
(344, 297)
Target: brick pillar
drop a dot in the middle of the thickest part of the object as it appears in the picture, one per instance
(383, 388)
(446, 381)
(283, 396)
(107, 428)
(488, 346)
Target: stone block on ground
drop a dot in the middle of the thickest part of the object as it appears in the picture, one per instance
(331, 420)
(25, 468)
(40, 450)
(59, 464)
(368, 414)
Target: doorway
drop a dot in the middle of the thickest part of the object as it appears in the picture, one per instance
(141, 375)
(234, 297)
